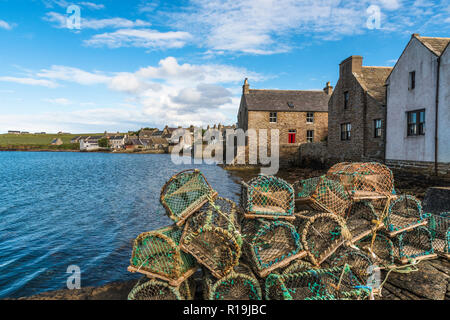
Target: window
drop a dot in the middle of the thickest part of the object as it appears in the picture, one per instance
(310, 117)
(377, 128)
(290, 104)
(412, 80)
(346, 99)
(273, 117)
(310, 135)
(291, 136)
(416, 122)
(346, 128)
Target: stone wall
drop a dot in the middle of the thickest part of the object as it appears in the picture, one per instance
(361, 112)
(426, 167)
(313, 153)
(290, 121)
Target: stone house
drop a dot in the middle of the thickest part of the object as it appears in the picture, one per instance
(418, 106)
(90, 143)
(301, 116)
(117, 141)
(356, 112)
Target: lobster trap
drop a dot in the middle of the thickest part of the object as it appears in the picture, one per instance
(439, 227)
(361, 220)
(360, 263)
(379, 248)
(322, 194)
(404, 213)
(157, 254)
(212, 236)
(152, 289)
(239, 284)
(269, 245)
(415, 245)
(322, 235)
(338, 283)
(268, 197)
(185, 193)
(364, 180)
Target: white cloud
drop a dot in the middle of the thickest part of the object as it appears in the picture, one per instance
(30, 81)
(58, 101)
(390, 4)
(167, 93)
(142, 38)
(92, 5)
(60, 21)
(275, 26)
(5, 25)
(73, 75)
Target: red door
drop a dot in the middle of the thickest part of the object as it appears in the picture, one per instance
(291, 136)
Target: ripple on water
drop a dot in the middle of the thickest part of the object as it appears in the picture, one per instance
(59, 209)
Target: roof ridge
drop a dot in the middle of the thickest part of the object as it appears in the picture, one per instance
(447, 38)
(310, 90)
(377, 67)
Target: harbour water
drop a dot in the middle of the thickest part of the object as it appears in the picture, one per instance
(59, 209)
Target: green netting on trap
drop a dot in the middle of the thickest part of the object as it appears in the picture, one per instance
(361, 219)
(382, 250)
(322, 235)
(415, 244)
(239, 284)
(322, 194)
(363, 180)
(184, 193)
(268, 196)
(152, 289)
(270, 244)
(316, 284)
(362, 266)
(212, 236)
(404, 212)
(157, 254)
(439, 227)
(296, 267)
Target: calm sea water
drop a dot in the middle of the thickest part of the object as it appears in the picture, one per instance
(59, 209)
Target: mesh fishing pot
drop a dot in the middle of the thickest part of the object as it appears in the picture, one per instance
(239, 284)
(404, 213)
(322, 194)
(185, 193)
(439, 227)
(364, 180)
(157, 254)
(322, 235)
(360, 263)
(382, 251)
(336, 283)
(361, 220)
(212, 236)
(415, 244)
(270, 244)
(152, 289)
(268, 197)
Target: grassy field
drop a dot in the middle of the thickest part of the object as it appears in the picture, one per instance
(39, 141)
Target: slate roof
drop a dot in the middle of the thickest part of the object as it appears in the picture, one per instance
(153, 140)
(116, 137)
(435, 45)
(373, 79)
(279, 100)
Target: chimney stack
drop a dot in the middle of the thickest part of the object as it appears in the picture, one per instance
(415, 35)
(246, 87)
(328, 89)
(350, 65)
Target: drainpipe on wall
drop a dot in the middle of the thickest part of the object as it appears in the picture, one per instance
(436, 119)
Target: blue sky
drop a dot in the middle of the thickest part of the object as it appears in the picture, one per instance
(151, 63)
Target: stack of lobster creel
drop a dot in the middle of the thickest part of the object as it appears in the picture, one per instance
(319, 239)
